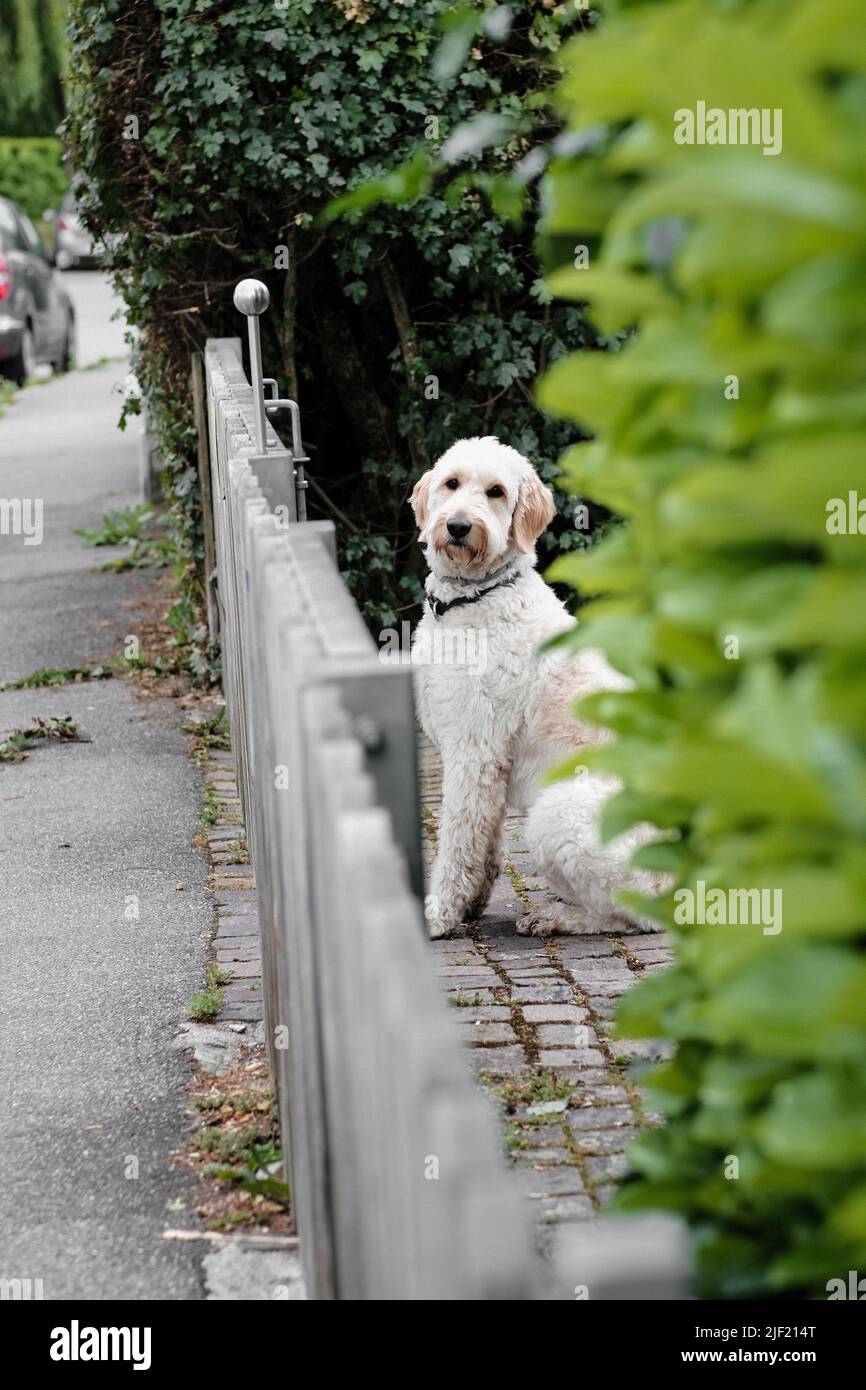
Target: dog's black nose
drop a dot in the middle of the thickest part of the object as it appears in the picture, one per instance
(458, 528)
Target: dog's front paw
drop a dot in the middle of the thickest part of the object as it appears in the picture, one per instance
(440, 922)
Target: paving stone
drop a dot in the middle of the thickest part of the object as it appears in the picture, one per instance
(248, 1012)
(541, 1156)
(570, 1057)
(585, 1080)
(474, 996)
(586, 946)
(590, 966)
(471, 984)
(538, 973)
(541, 1136)
(609, 1166)
(558, 1209)
(608, 1092)
(604, 1141)
(565, 1035)
(236, 1271)
(451, 970)
(554, 1013)
(524, 958)
(217, 1049)
(237, 995)
(605, 988)
(479, 1034)
(484, 1013)
(595, 1117)
(541, 994)
(247, 969)
(245, 924)
(601, 1005)
(551, 1181)
(500, 1061)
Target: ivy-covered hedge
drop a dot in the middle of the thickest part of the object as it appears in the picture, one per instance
(211, 137)
(731, 434)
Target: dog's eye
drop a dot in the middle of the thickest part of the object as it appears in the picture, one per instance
(495, 491)
(453, 483)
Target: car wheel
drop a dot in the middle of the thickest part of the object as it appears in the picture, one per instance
(66, 362)
(23, 365)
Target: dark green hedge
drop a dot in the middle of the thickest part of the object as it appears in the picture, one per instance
(730, 433)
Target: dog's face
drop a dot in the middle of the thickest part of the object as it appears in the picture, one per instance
(480, 503)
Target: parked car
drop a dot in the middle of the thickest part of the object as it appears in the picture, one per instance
(73, 244)
(37, 316)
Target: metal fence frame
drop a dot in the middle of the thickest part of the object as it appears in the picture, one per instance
(399, 1187)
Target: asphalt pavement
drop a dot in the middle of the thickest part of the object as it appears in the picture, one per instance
(104, 909)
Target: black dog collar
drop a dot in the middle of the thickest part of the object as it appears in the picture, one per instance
(438, 606)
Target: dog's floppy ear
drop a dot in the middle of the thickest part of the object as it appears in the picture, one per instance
(534, 509)
(420, 500)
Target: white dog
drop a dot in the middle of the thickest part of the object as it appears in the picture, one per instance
(500, 723)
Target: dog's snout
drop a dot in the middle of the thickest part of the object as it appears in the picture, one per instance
(459, 527)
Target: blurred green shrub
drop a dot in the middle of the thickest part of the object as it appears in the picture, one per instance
(33, 64)
(734, 595)
(32, 174)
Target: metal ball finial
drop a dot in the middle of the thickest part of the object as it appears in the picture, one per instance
(251, 297)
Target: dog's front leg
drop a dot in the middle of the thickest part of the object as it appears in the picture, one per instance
(470, 830)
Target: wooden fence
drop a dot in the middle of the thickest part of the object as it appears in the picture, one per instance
(399, 1187)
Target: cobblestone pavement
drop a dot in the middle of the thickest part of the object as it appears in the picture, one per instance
(536, 1013)
(237, 942)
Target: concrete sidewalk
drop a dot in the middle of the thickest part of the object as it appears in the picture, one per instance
(92, 1093)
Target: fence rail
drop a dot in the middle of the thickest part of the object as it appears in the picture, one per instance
(399, 1189)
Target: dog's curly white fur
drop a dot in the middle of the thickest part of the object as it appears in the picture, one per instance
(501, 723)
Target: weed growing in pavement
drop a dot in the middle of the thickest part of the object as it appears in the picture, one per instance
(207, 1003)
(210, 811)
(533, 1088)
(15, 747)
(127, 527)
(239, 1134)
(462, 1001)
(51, 675)
(210, 731)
